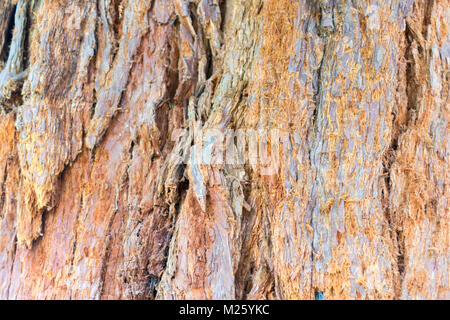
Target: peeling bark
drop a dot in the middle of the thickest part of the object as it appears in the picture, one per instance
(224, 149)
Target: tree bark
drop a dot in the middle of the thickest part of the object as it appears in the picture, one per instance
(224, 149)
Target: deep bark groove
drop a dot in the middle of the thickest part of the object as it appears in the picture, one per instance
(331, 117)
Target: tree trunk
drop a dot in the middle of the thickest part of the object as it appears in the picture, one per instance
(224, 149)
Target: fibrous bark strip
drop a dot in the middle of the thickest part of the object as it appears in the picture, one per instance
(224, 149)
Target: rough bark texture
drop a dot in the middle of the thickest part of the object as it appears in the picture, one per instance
(102, 103)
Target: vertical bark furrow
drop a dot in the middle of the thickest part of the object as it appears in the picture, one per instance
(224, 149)
(419, 193)
(7, 9)
(205, 249)
(12, 75)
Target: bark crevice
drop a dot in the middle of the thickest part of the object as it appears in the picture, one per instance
(115, 193)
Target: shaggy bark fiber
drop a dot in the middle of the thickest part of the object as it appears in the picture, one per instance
(224, 149)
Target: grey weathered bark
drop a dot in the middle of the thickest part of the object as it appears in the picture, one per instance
(321, 128)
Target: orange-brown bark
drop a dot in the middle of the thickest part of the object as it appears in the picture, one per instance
(224, 149)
